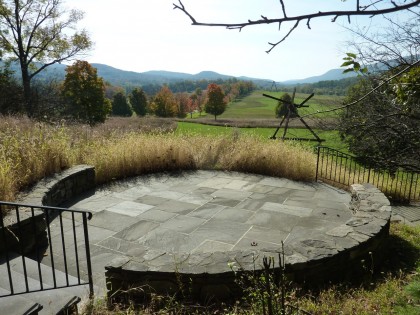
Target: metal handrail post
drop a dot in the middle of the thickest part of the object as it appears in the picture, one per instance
(6, 246)
(317, 164)
(88, 260)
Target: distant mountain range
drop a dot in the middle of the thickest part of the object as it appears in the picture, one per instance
(130, 78)
(331, 75)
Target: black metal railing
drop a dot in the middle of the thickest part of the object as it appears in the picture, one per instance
(342, 169)
(43, 248)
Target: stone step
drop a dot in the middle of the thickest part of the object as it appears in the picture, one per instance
(18, 305)
(52, 301)
(18, 282)
(57, 301)
(47, 273)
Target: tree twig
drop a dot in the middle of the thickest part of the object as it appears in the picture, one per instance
(359, 11)
(367, 94)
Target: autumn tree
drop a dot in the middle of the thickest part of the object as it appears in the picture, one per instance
(192, 104)
(200, 99)
(84, 93)
(111, 90)
(138, 101)
(182, 103)
(120, 106)
(38, 34)
(164, 103)
(216, 103)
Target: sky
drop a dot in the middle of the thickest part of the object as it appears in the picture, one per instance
(143, 35)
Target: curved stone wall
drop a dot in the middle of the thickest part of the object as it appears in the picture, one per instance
(362, 240)
(55, 190)
(343, 255)
(51, 191)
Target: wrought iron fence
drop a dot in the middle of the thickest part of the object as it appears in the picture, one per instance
(43, 248)
(342, 169)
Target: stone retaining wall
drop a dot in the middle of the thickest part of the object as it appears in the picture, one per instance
(51, 191)
(348, 251)
(369, 228)
(61, 187)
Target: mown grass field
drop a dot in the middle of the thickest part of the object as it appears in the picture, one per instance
(257, 111)
(257, 106)
(331, 137)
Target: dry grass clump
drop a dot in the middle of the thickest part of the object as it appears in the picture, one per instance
(136, 154)
(121, 148)
(137, 124)
(28, 152)
(252, 154)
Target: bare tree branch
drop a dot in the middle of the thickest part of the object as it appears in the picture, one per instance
(367, 94)
(283, 7)
(274, 45)
(359, 11)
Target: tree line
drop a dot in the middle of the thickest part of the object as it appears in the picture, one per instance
(84, 96)
(327, 87)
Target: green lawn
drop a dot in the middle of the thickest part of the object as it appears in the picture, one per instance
(258, 106)
(332, 137)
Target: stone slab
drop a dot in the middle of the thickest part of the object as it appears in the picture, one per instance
(205, 219)
(130, 208)
(111, 220)
(136, 230)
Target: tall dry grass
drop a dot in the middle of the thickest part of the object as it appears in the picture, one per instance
(30, 151)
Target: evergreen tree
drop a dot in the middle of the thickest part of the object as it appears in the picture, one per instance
(120, 106)
(138, 101)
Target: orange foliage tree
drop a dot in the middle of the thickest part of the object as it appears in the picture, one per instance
(164, 103)
(216, 103)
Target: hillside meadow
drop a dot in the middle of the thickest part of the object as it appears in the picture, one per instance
(255, 105)
(255, 115)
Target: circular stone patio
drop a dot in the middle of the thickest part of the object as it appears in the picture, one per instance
(196, 223)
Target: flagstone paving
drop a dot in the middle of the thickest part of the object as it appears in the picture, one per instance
(210, 211)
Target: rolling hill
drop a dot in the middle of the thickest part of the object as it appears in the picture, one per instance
(121, 77)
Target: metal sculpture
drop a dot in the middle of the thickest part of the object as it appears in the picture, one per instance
(290, 108)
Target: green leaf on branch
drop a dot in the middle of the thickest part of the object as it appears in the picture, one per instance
(347, 63)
